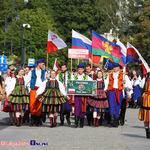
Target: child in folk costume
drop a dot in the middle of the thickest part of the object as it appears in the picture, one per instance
(144, 114)
(9, 86)
(99, 103)
(52, 94)
(136, 90)
(19, 97)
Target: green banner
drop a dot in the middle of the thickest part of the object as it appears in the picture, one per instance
(81, 87)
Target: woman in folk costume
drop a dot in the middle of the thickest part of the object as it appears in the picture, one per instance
(144, 114)
(9, 86)
(99, 103)
(52, 94)
(80, 101)
(136, 90)
(19, 97)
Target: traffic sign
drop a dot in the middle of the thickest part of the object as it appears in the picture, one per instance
(3, 67)
(2, 59)
(31, 61)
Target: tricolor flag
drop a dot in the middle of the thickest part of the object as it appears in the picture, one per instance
(79, 41)
(124, 53)
(101, 46)
(56, 66)
(54, 42)
(71, 91)
(133, 55)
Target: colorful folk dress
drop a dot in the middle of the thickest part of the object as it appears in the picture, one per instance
(51, 97)
(19, 97)
(144, 114)
(99, 103)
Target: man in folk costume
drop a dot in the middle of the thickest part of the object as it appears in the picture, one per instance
(115, 84)
(80, 101)
(37, 77)
(62, 77)
(144, 114)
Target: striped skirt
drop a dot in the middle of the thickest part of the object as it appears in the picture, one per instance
(51, 108)
(144, 113)
(52, 97)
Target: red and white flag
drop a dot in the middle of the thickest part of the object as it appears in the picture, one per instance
(54, 42)
(56, 67)
(145, 66)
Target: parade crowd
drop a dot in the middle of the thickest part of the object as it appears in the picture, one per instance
(43, 92)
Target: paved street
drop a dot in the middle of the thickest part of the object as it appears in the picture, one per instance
(129, 137)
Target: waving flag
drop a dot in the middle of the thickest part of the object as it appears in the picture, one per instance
(56, 66)
(133, 55)
(101, 46)
(54, 42)
(124, 53)
(79, 41)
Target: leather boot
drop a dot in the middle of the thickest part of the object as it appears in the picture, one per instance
(51, 121)
(97, 122)
(62, 119)
(68, 118)
(55, 118)
(18, 122)
(37, 121)
(76, 121)
(32, 120)
(94, 122)
(113, 120)
(88, 119)
(81, 122)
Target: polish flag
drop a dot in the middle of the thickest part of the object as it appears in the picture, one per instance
(54, 42)
(71, 91)
(56, 67)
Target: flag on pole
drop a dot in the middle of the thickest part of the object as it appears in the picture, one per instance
(56, 66)
(79, 41)
(133, 55)
(124, 53)
(54, 42)
(102, 46)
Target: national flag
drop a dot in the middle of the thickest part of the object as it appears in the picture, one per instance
(54, 42)
(102, 46)
(124, 53)
(56, 66)
(133, 55)
(71, 91)
(79, 41)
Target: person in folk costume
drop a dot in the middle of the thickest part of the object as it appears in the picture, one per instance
(9, 86)
(52, 94)
(99, 103)
(67, 106)
(136, 80)
(144, 114)
(27, 85)
(19, 97)
(38, 75)
(80, 101)
(115, 83)
(127, 92)
(89, 114)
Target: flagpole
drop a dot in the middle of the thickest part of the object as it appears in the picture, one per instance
(92, 61)
(47, 60)
(71, 64)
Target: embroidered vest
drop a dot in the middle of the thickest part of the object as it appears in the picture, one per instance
(52, 84)
(111, 81)
(33, 77)
(85, 77)
(19, 81)
(61, 79)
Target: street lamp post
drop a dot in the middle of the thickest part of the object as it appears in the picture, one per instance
(12, 26)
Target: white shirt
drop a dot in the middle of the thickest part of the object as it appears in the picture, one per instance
(27, 80)
(38, 79)
(43, 86)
